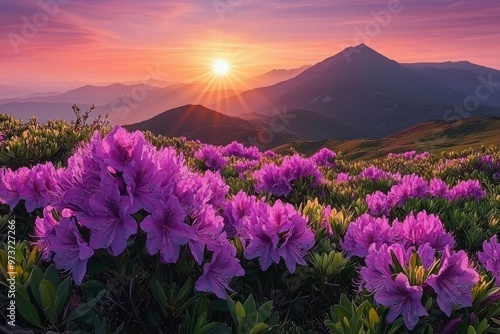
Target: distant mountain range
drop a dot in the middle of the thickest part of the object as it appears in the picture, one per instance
(370, 92)
(196, 122)
(273, 77)
(365, 95)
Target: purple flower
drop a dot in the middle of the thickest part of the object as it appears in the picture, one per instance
(373, 173)
(44, 231)
(108, 218)
(298, 240)
(278, 181)
(263, 239)
(324, 157)
(411, 186)
(486, 161)
(467, 189)
(364, 232)
(120, 148)
(245, 165)
(271, 179)
(12, 184)
(150, 174)
(342, 178)
(298, 167)
(40, 188)
(166, 230)
(379, 204)
(238, 150)
(218, 273)
(438, 188)
(269, 154)
(402, 299)
(194, 191)
(490, 257)
(237, 213)
(81, 178)
(425, 228)
(207, 227)
(71, 251)
(212, 157)
(454, 281)
(427, 255)
(379, 265)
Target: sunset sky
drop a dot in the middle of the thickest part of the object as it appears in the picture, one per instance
(110, 41)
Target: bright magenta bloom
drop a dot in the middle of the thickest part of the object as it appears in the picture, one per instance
(453, 284)
(71, 251)
(364, 232)
(166, 229)
(490, 257)
(402, 299)
(108, 218)
(218, 273)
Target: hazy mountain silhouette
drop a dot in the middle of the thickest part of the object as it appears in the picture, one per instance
(464, 77)
(365, 89)
(196, 122)
(9, 91)
(273, 77)
(355, 93)
(89, 94)
(123, 104)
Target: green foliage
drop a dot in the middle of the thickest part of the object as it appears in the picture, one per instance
(248, 319)
(136, 293)
(27, 144)
(197, 323)
(45, 293)
(350, 318)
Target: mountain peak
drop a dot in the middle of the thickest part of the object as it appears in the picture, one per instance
(361, 46)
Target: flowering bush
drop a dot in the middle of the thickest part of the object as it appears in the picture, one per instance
(154, 234)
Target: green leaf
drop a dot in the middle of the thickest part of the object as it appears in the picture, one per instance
(240, 310)
(52, 275)
(218, 329)
(84, 309)
(185, 290)
(471, 330)
(249, 305)
(47, 294)
(265, 310)
(397, 266)
(35, 280)
(25, 308)
(62, 294)
(259, 328)
(51, 314)
(159, 293)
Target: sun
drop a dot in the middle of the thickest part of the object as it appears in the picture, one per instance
(221, 67)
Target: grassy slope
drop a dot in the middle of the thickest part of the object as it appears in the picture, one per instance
(435, 137)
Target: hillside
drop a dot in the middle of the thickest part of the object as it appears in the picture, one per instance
(464, 77)
(368, 91)
(433, 136)
(196, 122)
